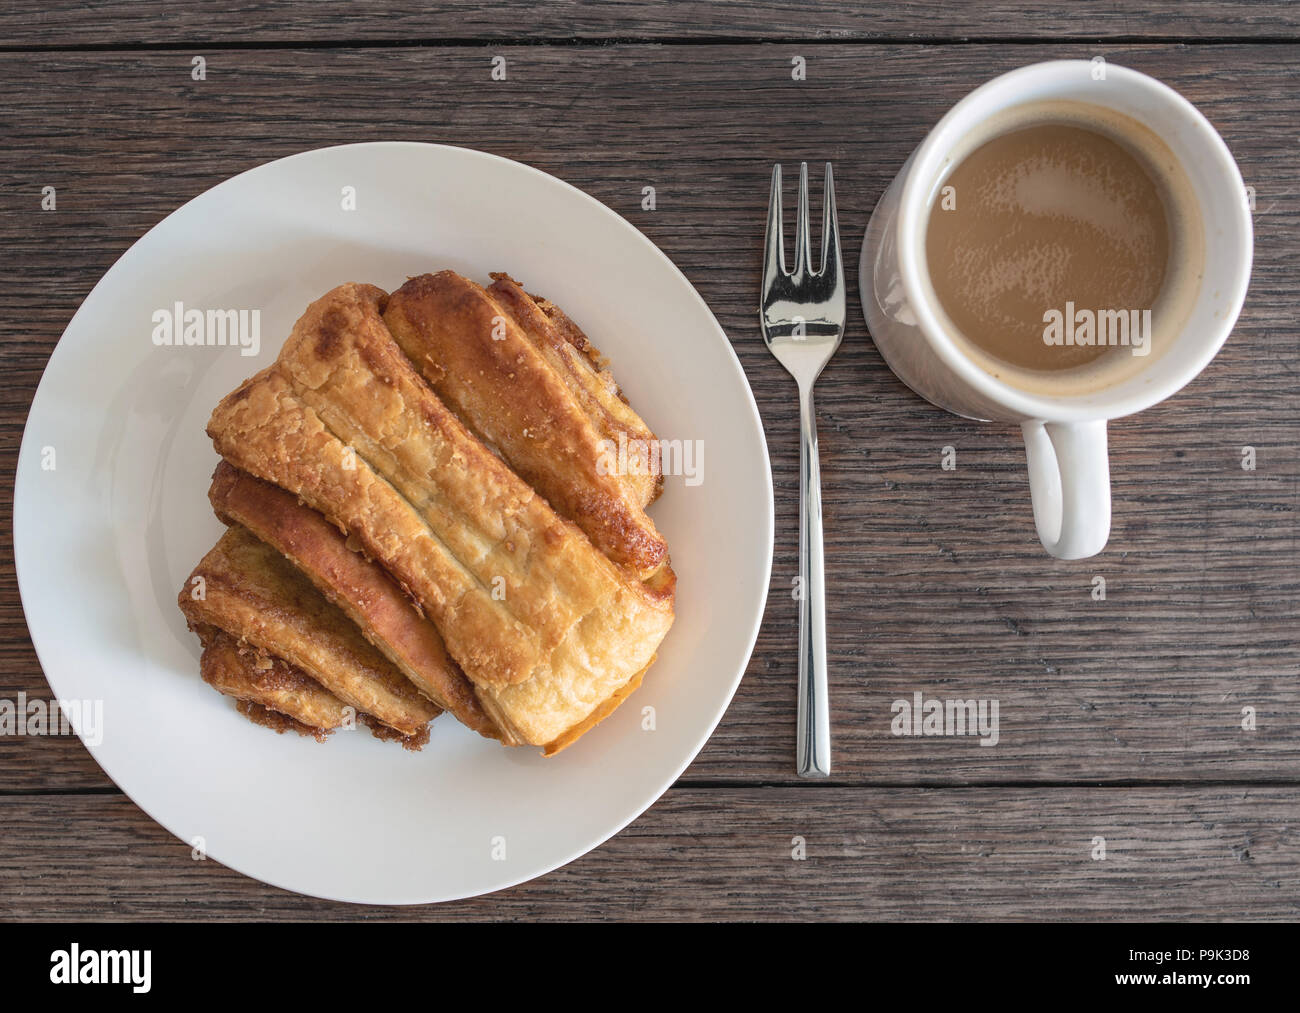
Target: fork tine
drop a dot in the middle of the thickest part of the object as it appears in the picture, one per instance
(802, 240)
(830, 228)
(774, 251)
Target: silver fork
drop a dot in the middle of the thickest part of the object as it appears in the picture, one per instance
(803, 321)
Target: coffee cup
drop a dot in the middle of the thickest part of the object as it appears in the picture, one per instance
(1063, 414)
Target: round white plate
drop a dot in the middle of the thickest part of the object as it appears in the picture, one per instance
(111, 514)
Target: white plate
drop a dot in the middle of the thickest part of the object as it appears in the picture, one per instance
(104, 539)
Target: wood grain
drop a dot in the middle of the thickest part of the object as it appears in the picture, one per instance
(134, 23)
(1213, 854)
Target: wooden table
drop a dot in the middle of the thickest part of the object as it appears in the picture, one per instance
(1119, 719)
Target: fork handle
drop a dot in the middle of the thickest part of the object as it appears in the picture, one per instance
(813, 754)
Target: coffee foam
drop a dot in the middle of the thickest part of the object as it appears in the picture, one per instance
(1184, 269)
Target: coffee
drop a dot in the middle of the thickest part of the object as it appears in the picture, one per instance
(1063, 240)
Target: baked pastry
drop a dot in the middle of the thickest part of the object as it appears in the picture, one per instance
(550, 631)
(358, 586)
(251, 592)
(270, 692)
(535, 393)
(265, 683)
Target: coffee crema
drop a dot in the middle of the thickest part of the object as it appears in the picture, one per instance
(1064, 240)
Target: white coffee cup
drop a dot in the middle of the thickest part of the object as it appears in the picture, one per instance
(1065, 435)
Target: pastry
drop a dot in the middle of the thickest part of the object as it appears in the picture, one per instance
(251, 592)
(360, 587)
(495, 358)
(266, 683)
(550, 631)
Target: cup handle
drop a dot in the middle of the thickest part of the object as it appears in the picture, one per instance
(1069, 482)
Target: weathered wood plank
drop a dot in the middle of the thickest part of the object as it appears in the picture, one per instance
(168, 22)
(937, 583)
(1210, 854)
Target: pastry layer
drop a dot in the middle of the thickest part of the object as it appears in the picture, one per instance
(586, 372)
(605, 709)
(253, 676)
(357, 585)
(544, 625)
(254, 594)
(274, 720)
(494, 357)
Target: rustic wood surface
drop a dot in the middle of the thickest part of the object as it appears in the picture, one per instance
(104, 23)
(1223, 853)
(1120, 718)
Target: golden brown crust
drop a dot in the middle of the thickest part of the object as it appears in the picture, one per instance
(611, 704)
(272, 693)
(279, 723)
(571, 333)
(360, 587)
(268, 431)
(344, 422)
(254, 677)
(383, 733)
(255, 595)
(496, 360)
(588, 375)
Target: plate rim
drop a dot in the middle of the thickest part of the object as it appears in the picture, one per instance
(22, 486)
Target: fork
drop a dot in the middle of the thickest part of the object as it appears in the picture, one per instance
(803, 313)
